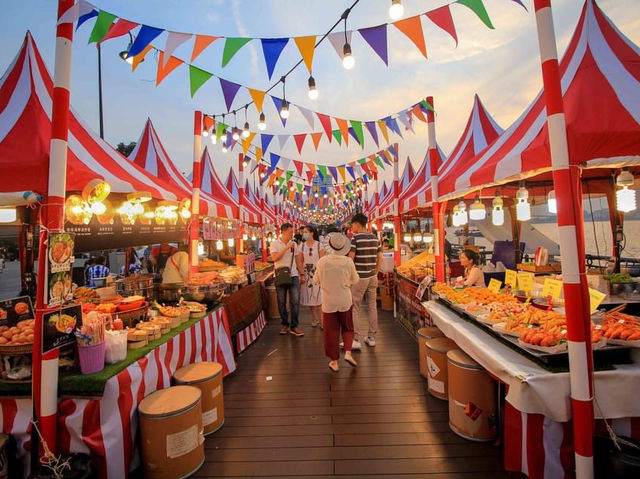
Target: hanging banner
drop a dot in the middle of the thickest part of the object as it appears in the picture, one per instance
(60, 250)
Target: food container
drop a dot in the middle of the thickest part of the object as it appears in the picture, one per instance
(209, 294)
(472, 398)
(206, 376)
(437, 349)
(428, 332)
(168, 292)
(171, 433)
(91, 357)
(138, 285)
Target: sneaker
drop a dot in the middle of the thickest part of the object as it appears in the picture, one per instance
(284, 329)
(296, 332)
(371, 341)
(341, 345)
(356, 346)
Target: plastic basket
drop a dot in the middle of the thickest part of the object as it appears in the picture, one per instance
(91, 358)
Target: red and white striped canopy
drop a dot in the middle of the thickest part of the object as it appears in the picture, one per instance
(213, 187)
(150, 155)
(386, 203)
(252, 204)
(25, 130)
(232, 184)
(250, 209)
(600, 74)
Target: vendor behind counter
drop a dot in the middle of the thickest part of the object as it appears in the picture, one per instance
(176, 269)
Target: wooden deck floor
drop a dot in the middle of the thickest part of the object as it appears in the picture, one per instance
(288, 415)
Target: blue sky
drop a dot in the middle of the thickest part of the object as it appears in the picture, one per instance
(501, 65)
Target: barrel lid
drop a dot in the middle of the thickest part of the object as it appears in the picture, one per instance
(429, 332)
(197, 372)
(462, 359)
(440, 345)
(169, 401)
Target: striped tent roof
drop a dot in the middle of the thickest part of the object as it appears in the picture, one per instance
(25, 131)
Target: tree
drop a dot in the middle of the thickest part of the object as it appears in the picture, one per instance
(126, 149)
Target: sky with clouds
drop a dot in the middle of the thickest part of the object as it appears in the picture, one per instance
(501, 65)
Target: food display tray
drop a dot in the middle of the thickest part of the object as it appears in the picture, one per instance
(603, 356)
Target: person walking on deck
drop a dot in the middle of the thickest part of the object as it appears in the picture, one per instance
(367, 256)
(309, 253)
(283, 253)
(336, 274)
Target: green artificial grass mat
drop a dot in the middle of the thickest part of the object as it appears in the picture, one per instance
(92, 385)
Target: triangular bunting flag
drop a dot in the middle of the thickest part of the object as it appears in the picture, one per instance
(274, 159)
(102, 26)
(392, 124)
(229, 91)
(383, 128)
(299, 167)
(306, 46)
(342, 171)
(426, 106)
(258, 98)
(379, 162)
(271, 49)
(258, 151)
(338, 136)
(145, 36)
(222, 128)
(351, 172)
(412, 28)
(300, 141)
(197, 78)
(310, 175)
(137, 60)
(371, 127)
(404, 119)
(282, 140)
(353, 134)
(308, 115)
(174, 40)
(478, 8)
(265, 140)
(334, 172)
(85, 16)
(201, 42)
(231, 47)
(443, 19)
(376, 37)
(322, 171)
(278, 104)
(121, 27)
(357, 128)
(312, 169)
(325, 120)
(284, 163)
(316, 139)
(417, 111)
(344, 129)
(164, 68)
(246, 142)
(337, 41)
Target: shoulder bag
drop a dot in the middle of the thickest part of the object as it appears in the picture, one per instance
(283, 274)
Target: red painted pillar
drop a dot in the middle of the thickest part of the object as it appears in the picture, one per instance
(265, 252)
(194, 230)
(45, 366)
(439, 231)
(397, 219)
(568, 188)
(239, 241)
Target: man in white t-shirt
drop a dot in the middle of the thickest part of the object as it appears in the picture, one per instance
(283, 251)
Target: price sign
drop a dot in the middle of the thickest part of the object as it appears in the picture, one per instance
(595, 298)
(552, 287)
(525, 282)
(511, 278)
(494, 285)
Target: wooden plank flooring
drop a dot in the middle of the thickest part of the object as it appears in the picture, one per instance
(288, 415)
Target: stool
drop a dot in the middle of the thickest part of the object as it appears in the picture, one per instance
(436, 356)
(207, 377)
(428, 332)
(171, 432)
(472, 398)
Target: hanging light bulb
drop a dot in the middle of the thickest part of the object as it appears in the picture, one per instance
(523, 208)
(417, 237)
(262, 124)
(231, 242)
(407, 237)
(205, 133)
(396, 10)
(497, 214)
(313, 91)
(245, 130)
(552, 204)
(224, 147)
(263, 174)
(235, 134)
(219, 245)
(477, 211)
(625, 198)
(463, 216)
(348, 61)
(291, 188)
(455, 216)
(245, 236)
(428, 238)
(214, 137)
(284, 110)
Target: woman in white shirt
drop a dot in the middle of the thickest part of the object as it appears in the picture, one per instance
(336, 273)
(473, 275)
(309, 253)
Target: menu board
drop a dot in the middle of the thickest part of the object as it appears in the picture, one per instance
(58, 327)
(409, 308)
(15, 310)
(60, 257)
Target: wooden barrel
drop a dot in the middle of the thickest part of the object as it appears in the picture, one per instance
(472, 398)
(272, 303)
(436, 353)
(171, 432)
(207, 377)
(425, 333)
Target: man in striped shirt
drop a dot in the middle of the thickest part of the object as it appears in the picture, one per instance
(366, 255)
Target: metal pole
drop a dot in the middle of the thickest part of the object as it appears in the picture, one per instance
(194, 229)
(100, 113)
(439, 230)
(566, 183)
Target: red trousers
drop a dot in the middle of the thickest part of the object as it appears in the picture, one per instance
(334, 324)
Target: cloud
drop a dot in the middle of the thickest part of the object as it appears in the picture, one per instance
(242, 30)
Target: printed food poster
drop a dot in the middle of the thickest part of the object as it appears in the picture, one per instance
(59, 326)
(14, 310)
(60, 256)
